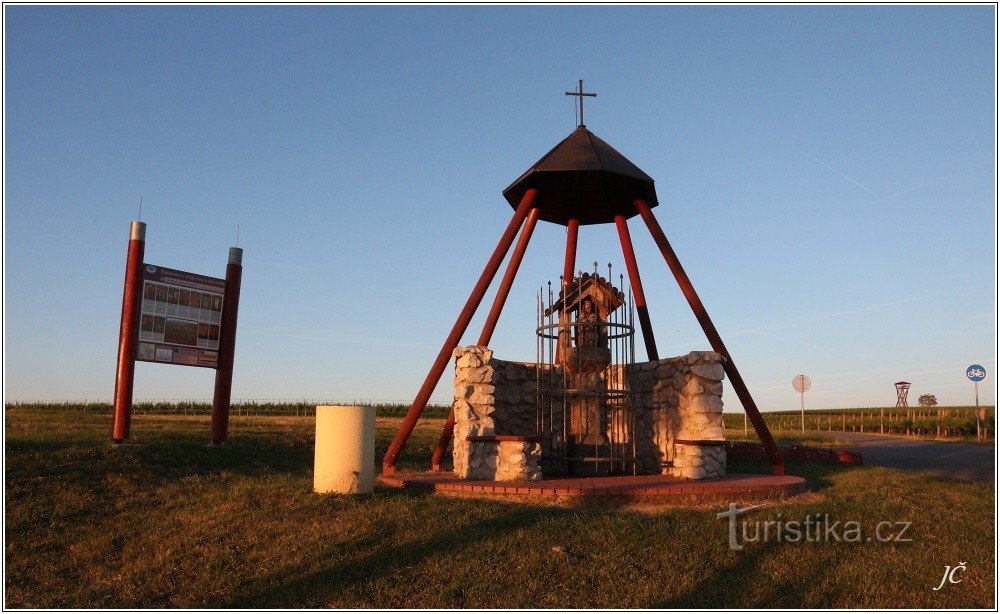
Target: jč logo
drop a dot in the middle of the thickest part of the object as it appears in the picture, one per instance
(949, 575)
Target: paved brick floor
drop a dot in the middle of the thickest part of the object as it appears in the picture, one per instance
(647, 487)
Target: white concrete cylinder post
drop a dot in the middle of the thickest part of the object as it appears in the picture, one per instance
(345, 449)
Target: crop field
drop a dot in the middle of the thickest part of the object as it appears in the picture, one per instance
(247, 408)
(168, 522)
(922, 422)
(930, 422)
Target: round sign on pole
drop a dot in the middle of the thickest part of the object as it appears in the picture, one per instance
(801, 383)
(976, 373)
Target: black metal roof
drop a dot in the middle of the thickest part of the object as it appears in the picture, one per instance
(583, 178)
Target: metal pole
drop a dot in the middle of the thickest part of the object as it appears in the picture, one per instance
(979, 436)
(640, 297)
(713, 336)
(802, 401)
(437, 369)
(569, 264)
(128, 334)
(491, 323)
(227, 347)
(508, 278)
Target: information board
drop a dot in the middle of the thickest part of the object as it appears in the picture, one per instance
(180, 317)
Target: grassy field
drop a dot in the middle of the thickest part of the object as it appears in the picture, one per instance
(920, 422)
(239, 408)
(169, 522)
(824, 440)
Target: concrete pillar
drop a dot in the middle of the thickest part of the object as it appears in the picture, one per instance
(345, 449)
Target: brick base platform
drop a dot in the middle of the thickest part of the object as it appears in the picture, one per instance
(584, 491)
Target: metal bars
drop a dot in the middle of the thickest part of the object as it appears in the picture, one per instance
(585, 410)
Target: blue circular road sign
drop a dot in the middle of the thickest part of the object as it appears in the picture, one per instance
(976, 373)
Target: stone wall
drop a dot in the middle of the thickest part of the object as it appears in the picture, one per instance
(688, 407)
(514, 407)
(640, 379)
(679, 399)
(677, 402)
(494, 398)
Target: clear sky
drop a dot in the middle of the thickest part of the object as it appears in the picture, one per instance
(827, 176)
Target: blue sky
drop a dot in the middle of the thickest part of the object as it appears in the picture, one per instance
(826, 176)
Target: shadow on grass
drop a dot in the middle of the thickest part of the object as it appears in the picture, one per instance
(162, 456)
(745, 584)
(290, 588)
(725, 587)
(24, 445)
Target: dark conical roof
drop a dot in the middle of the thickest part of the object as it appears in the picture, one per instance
(583, 178)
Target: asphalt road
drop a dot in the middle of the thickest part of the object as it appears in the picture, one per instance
(961, 461)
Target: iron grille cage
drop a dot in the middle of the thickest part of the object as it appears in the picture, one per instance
(585, 414)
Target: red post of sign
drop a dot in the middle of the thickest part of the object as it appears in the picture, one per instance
(227, 347)
(128, 335)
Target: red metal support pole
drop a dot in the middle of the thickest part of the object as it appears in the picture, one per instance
(569, 264)
(636, 282)
(491, 323)
(128, 334)
(713, 336)
(508, 278)
(424, 395)
(572, 233)
(227, 347)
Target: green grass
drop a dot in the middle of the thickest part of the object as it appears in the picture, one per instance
(829, 440)
(171, 523)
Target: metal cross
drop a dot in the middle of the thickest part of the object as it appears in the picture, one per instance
(581, 94)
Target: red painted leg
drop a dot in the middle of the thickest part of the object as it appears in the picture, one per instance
(713, 336)
(128, 336)
(572, 233)
(490, 325)
(636, 281)
(420, 402)
(227, 348)
(569, 264)
(508, 278)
